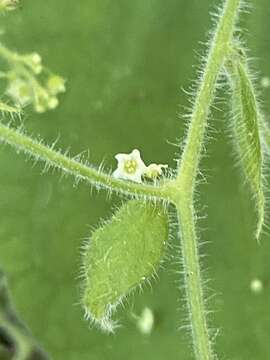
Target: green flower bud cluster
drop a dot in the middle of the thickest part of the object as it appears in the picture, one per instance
(8, 5)
(30, 83)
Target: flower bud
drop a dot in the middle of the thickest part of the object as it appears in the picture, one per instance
(153, 171)
(56, 84)
(34, 61)
(53, 103)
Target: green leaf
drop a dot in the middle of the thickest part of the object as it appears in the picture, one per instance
(121, 255)
(247, 119)
(266, 136)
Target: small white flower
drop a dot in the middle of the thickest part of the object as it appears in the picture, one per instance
(20, 91)
(130, 166)
(153, 171)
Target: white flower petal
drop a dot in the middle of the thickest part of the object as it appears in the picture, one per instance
(136, 154)
(136, 178)
(141, 165)
(116, 174)
(119, 174)
(121, 157)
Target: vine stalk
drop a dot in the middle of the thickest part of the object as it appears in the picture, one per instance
(186, 178)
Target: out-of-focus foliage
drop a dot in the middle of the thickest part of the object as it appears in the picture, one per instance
(126, 63)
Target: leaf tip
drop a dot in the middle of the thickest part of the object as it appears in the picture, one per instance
(103, 322)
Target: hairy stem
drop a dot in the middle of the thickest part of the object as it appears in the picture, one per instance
(219, 49)
(187, 172)
(76, 168)
(193, 284)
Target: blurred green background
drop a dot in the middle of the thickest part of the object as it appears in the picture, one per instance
(126, 63)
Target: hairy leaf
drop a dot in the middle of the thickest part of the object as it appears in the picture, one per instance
(247, 134)
(121, 255)
(266, 136)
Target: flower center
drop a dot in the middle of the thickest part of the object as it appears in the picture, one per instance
(130, 166)
(24, 91)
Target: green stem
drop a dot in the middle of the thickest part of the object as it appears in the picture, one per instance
(8, 55)
(185, 181)
(193, 283)
(219, 49)
(74, 167)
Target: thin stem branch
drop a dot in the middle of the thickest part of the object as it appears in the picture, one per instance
(220, 47)
(8, 55)
(74, 167)
(186, 178)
